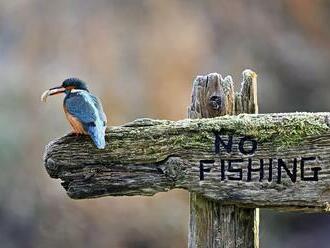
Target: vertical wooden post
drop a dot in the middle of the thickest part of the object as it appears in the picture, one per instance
(211, 223)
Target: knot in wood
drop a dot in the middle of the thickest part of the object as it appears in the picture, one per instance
(51, 167)
(173, 168)
(215, 102)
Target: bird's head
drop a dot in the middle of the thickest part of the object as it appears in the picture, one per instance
(67, 86)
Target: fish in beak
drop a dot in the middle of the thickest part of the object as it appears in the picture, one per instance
(51, 92)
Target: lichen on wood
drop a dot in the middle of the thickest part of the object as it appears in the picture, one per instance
(292, 129)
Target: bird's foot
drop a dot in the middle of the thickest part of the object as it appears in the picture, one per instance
(74, 134)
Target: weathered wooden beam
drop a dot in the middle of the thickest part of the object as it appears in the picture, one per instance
(265, 160)
(213, 224)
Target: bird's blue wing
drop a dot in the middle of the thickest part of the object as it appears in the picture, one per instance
(81, 106)
(98, 106)
(88, 110)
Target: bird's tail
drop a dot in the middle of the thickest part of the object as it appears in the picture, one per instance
(98, 136)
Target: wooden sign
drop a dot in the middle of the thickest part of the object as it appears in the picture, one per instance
(259, 160)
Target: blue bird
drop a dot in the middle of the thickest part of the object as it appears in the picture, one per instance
(83, 110)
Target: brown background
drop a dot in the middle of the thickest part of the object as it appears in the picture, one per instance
(140, 57)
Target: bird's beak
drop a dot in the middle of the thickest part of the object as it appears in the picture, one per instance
(51, 92)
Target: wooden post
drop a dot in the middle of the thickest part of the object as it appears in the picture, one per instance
(213, 224)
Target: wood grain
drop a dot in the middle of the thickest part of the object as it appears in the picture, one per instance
(150, 156)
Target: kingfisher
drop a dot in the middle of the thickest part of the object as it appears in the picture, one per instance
(83, 110)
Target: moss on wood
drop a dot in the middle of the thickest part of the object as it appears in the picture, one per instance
(290, 130)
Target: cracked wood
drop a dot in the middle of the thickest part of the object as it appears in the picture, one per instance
(213, 224)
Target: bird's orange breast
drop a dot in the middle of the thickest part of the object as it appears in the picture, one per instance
(75, 123)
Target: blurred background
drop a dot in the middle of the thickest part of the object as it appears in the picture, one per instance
(141, 57)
